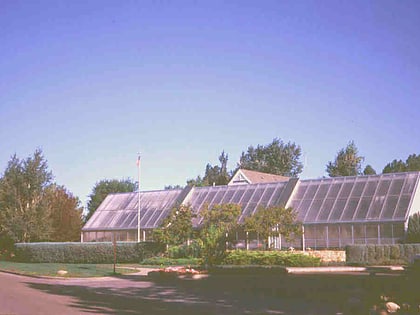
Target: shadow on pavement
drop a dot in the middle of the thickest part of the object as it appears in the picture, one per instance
(292, 295)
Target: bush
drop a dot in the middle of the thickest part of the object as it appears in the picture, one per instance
(6, 248)
(185, 251)
(381, 254)
(127, 252)
(271, 258)
(165, 261)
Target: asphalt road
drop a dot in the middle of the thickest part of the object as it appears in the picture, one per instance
(135, 294)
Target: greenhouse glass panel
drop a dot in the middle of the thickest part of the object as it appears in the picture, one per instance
(372, 231)
(389, 207)
(346, 232)
(303, 209)
(310, 193)
(383, 187)
(218, 197)
(410, 183)
(359, 234)
(386, 230)
(371, 187)
(238, 196)
(267, 195)
(301, 190)
(129, 217)
(258, 194)
(147, 216)
(402, 208)
(334, 190)
(398, 229)
(376, 207)
(338, 209)
(396, 187)
(227, 198)
(198, 199)
(310, 232)
(363, 208)
(322, 191)
(345, 190)
(326, 208)
(350, 209)
(358, 189)
(314, 210)
(247, 196)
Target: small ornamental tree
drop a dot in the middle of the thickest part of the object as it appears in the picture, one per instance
(219, 223)
(176, 228)
(272, 222)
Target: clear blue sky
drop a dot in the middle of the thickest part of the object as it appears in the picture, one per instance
(94, 82)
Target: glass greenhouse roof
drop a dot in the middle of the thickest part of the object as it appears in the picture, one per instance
(119, 211)
(374, 198)
(383, 197)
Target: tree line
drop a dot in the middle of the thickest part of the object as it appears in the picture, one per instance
(281, 158)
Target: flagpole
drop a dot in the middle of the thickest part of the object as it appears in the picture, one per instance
(138, 208)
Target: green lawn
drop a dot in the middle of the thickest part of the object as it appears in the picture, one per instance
(74, 270)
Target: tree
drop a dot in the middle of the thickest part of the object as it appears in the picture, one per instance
(369, 170)
(217, 226)
(395, 166)
(24, 212)
(272, 222)
(413, 230)
(105, 187)
(66, 214)
(213, 175)
(276, 158)
(346, 163)
(410, 165)
(176, 228)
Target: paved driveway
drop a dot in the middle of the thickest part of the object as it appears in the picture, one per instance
(292, 295)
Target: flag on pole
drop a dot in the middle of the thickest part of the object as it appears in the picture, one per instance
(138, 161)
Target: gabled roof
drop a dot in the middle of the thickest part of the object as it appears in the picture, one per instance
(243, 176)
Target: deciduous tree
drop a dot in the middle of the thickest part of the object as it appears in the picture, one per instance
(66, 214)
(24, 211)
(176, 228)
(276, 157)
(218, 226)
(272, 222)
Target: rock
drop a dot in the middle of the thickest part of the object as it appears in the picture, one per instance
(62, 272)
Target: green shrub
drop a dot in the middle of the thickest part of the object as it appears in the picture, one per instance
(185, 251)
(165, 261)
(127, 252)
(271, 258)
(381, 254)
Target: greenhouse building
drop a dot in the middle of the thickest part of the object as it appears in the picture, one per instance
(334, 212)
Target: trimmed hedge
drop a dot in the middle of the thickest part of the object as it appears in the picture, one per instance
(270, 258)
(381, 254)
(90, 253)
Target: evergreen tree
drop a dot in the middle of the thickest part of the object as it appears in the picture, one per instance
(346, 163)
